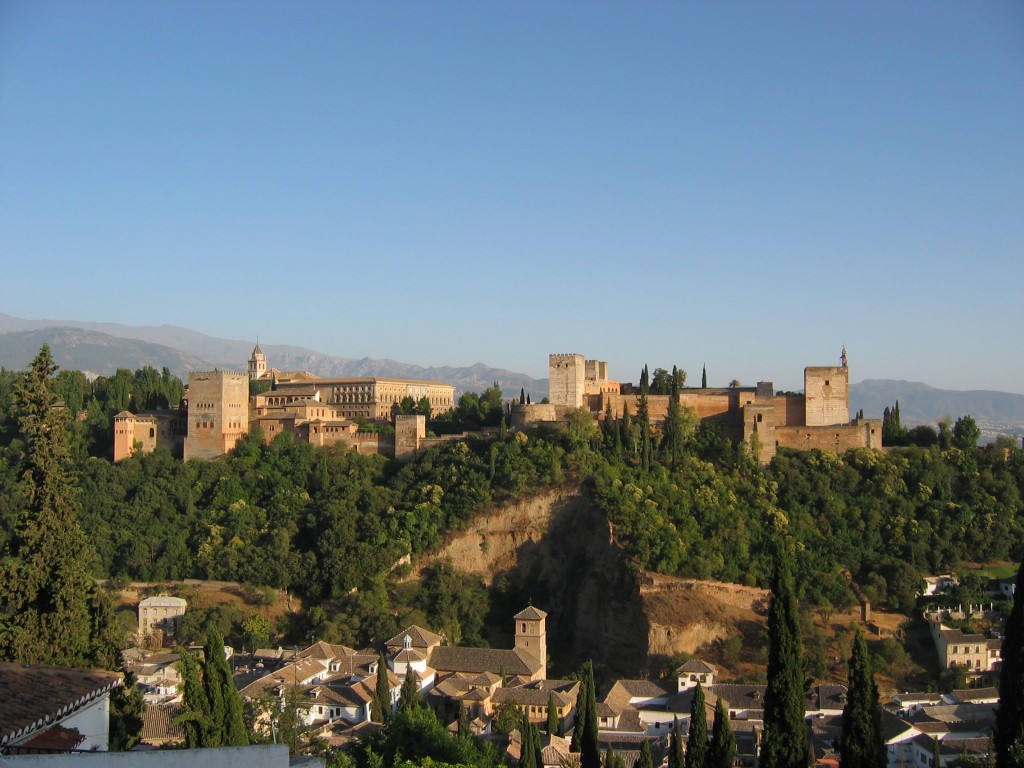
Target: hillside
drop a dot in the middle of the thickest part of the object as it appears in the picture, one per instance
(558, 549)
(995, 412)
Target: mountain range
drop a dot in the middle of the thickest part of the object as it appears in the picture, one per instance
(102, 348)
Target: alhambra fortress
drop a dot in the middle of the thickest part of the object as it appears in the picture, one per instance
(218, 411)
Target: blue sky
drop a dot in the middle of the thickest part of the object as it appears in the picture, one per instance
(746, 185)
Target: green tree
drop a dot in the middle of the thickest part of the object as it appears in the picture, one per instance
(704, 377)
(645, 760)
(643, 422)
(862, 744)
(257, 631)
(227, 726)
(612, 760)
(697, 737)
(590, 748)
(126, 709)
(381, 704)
(530, 747)
(423, 406)
(785, 734)
(1009, 729)
(676, 757)
(196, 716)
(723, 741)
(553, 721)
(45, 585)
(409, 695)
(966, 433)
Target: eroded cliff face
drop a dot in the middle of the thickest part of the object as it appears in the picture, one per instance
(558, 551)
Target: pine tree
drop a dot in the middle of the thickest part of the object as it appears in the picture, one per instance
(697, 737)
(862, 745)
(44, 580)
(676, 758)
(785, 741)
(553, 721)
(723, 742)
(1009, 730)
(381, 704)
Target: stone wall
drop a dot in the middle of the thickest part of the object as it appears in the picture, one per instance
(865, 433)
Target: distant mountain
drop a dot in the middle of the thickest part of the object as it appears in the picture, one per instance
(995, 412)
(102, 348)
(93, 353)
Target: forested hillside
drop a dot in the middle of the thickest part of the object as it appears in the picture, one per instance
(331, 526)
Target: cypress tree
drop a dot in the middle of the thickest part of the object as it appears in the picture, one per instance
(527, 753)
(612, 760)
(590, 749)
(227, 726)
(409, 695)
(580, 716)
(522, 396)
(704, 378)
(676, 759)
(1009, 730)
(861, 745)
(697, 738)
(381, 704)
(645, 760)
(195, 717)
(723, 742)
(785, 741)
(553, 721)
(643, 420)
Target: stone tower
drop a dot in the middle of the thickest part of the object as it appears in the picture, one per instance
(566, 380)
(531, 635)
(827, 394)
(257, 363)
(218, 412)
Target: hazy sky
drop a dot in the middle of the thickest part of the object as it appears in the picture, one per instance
(746, 185)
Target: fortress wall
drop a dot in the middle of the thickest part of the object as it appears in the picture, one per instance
(526, 415)
(790, 411)
(834, 438)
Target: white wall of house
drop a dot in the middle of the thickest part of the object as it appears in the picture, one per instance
(93, 722)
(261, 756)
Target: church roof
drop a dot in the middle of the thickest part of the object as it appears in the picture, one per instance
(450, 658)
(418, 636)
(530, 614)
(256, 350)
